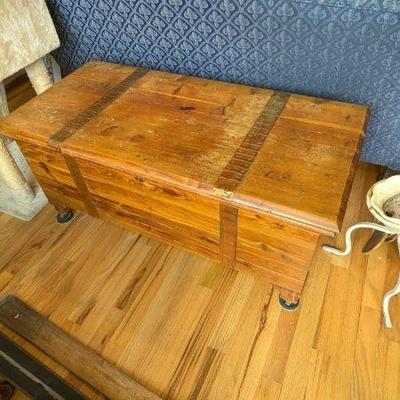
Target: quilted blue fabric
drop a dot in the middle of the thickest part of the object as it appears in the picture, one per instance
(341, 49)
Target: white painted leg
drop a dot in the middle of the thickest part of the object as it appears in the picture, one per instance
(389, 295)
(55, 69)
(3, 108)
(3, 101)
(348, 243)
(39, 76)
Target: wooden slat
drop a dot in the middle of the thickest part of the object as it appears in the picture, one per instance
(51, 169)
(244, 155)
(276, 251)
(228, 235)
(93, 111)
(70, 353)
(43, 116)
(153, 207)
(81, 185)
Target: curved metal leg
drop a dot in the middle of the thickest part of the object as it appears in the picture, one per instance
(348, 243)
(389, 295)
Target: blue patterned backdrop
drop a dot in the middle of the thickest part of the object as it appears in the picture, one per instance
(341, 49)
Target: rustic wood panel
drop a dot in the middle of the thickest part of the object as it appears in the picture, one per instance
(184, 137)
(274, 250)
(189, 131)
(306, 165)
(44, 115)
(54, 176)
(247, 176)
(91, 112)
(139, 203)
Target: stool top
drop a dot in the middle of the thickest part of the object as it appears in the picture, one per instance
(27, 33)
(274, 152)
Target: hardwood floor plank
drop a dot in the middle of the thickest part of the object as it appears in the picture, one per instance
(295, 379)
(365, 360)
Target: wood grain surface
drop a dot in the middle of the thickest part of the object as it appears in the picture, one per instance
(186, 328)
(52, 171)
(187, 130)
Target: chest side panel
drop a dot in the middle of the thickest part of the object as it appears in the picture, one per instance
(274, 250)
(153, 208)
(51, 170)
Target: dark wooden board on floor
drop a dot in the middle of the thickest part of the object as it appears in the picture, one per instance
(31, 376)
(73, 355)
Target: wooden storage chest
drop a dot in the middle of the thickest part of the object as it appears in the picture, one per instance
(247, 176)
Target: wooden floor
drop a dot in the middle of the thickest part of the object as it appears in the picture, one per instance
(187, 329)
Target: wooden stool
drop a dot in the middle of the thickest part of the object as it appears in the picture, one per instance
(27, 36)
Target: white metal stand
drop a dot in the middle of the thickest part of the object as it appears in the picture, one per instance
(347, 250)
(389, 295)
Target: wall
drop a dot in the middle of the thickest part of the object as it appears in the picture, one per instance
(340, 49)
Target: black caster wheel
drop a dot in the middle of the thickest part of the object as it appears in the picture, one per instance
(288, 306)
(65, 217)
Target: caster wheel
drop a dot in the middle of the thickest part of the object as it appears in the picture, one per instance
(288, 306)
(65, 217)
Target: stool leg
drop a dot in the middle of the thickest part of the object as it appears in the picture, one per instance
(389, 295)
(39, 76)
(55, 69)
(3, 100)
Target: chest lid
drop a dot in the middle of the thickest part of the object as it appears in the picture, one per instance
(274, 152)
